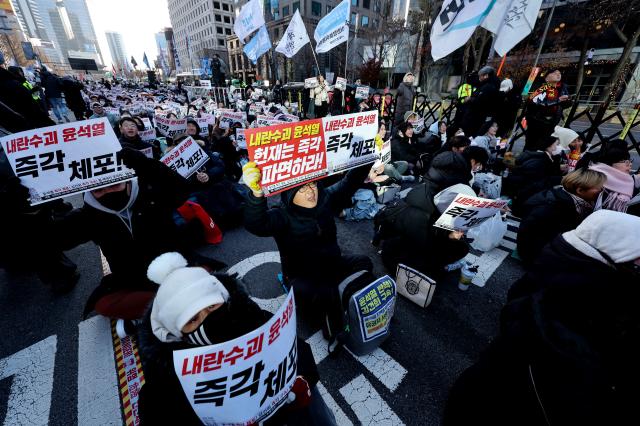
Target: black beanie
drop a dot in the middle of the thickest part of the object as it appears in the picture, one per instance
(547, 142)
(614, 155)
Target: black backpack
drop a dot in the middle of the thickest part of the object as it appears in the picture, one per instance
(384, 220)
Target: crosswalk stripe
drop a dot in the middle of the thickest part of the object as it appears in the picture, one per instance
(341, 418)
(383, 367)
(367, 404)
(98, 401)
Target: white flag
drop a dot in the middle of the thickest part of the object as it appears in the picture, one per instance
(333, 29)
(294, 38)
(511, 21)
(249, 19)
(455, 23)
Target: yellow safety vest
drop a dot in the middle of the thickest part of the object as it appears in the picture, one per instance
(29, 87)
(465, 90)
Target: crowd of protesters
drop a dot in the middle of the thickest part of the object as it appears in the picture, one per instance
(566, 348)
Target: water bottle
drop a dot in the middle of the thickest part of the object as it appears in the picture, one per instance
(467, 275)
(455, 265)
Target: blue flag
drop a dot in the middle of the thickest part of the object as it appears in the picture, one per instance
(145, 60)
(258, 45)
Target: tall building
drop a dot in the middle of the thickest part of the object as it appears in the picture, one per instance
(119, 57)
(61, 28)
(200, 29)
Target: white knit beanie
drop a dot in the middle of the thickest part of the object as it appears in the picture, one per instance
(184, 291)
(613, 233)
(565, 136)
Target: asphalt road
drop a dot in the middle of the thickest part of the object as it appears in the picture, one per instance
(405, 382)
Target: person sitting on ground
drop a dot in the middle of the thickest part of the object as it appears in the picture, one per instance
(405, 148)
(557, 210)
(535, 171)
(573, 143)
(436, 137)
(393, 170)
(568, 345)
(130, 138)
(487, 137)
(132, 223)
(305, 232)
(194, 308)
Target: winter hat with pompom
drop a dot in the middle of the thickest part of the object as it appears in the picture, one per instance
(184, 291)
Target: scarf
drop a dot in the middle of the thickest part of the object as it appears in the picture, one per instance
(618, 189)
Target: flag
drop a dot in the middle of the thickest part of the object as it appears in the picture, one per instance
(455, 24)
(259, 44)
(133, 62)
(294, 37)
(249, 19)
(114, 70)
(511, 21)
(333, 29)
(176, 58)
(145, 60)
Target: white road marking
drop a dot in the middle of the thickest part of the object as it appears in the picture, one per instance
(341, 418)
(366, 403)
(30, 395)
(319, 347)
(383, 367)
(508, 244)
(511, 234)
(270, 305)
(98, 397)
(487, 264)
(244, 266)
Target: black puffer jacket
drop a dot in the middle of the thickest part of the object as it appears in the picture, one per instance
(162, 400)
(535, 171)
(138, 144)
(567, 349)
(448, 168)
(306, 238)
(404, 149)
(546, 215)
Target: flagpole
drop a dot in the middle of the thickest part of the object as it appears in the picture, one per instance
(346, 54)
(544, 35)
(315, 57)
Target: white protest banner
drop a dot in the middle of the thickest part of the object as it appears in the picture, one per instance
(466, 212)
(209, 118)
(186, 158)
(341, 83)
(255, 109)
(203, 123)
(170, 127)
(205, 83)
(147, 123)
(147, 135)
(57, 161)
(113, 110)
(362, 92)
(264, 121)
(229, 117)
(455, 24)
(350, 140)
(249, 19)
(383, 151)
(241, 140)
(333, 29)
(374, 305)
(294, 38)
(289, 118)
(311, 82)
(245, 380)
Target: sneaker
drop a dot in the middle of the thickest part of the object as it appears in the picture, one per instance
(125, 328)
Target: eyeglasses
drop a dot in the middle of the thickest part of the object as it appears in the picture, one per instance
(308, 187)
(625, 162)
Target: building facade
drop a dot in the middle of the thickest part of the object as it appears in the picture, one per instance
(119, 56)
(60, 29)
(200, 29)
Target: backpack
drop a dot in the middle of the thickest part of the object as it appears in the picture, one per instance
(384, 220)
(366, 307)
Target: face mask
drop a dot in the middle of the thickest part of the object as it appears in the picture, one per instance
(557, 151)
(115, 200)
(443, 138)
(214, 329)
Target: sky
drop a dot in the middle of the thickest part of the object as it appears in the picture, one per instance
(137, 20)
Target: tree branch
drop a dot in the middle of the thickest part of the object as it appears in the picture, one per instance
(619, 33)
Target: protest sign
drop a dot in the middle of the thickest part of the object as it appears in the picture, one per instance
(147, 135)
(57, 161)
(241, 140)
(245, 380)
(203, 123)
(205, 83)
(289, 118)
(362, 92)
(466, 212)
(148, 152)
(341, 83)
(264, 121)
(112, 110)
(255, 108)
(384, 153)
(375, 304)
(288, 154)
(170, 127)
(227, 118)
(147, 123)
(311, 82)
(186, 158)
(350, 140)
(418, 126)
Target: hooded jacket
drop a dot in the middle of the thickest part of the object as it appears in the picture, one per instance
(404, 100)
(162, 400)
(547, 214)
(306, 238)
(131, 238)
(568, 341)
(535, 171)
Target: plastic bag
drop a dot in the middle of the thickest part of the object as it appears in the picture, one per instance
(488, 234)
